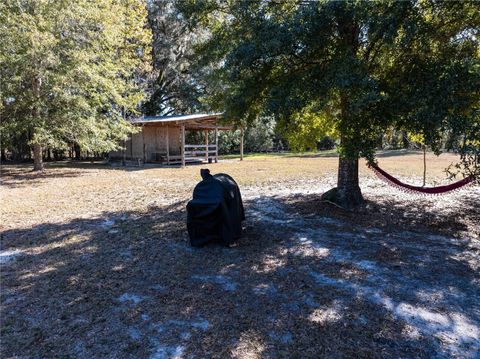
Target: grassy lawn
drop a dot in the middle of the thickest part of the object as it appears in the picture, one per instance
(95, 262)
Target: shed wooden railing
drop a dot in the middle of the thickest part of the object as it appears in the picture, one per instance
(201, 151)
(195, 152)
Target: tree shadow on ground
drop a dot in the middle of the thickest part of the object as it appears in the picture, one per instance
(396, 153)
(395, 215)
(128, 285)
(16, 177)
(313, 155)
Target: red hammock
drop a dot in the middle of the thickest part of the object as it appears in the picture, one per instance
(425, 190)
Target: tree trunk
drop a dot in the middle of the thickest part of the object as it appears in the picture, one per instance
(78, 154)
(348, 193)
(37, 147)
(424, 165)
(37, 157)
(406, 144)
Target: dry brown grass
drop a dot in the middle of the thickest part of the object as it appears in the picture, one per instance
(63, 192)
(99, 265)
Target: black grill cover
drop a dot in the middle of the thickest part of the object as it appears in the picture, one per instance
(216, 210)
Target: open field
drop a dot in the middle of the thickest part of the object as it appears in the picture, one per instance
(95, 263)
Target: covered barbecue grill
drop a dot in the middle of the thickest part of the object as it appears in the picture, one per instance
(216, 211)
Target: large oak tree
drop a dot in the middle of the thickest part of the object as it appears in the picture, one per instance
(349, 68)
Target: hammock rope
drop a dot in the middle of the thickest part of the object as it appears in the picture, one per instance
(416, 189)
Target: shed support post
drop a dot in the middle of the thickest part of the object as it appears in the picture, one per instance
(241, 143)
(143, 143)
(206, 145)
(168, 147)
(216, 144)
(183, 146)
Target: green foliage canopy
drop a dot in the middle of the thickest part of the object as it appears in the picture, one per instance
(72, 70)
(173, 86)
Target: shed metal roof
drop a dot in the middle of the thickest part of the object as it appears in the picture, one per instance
(177, 118)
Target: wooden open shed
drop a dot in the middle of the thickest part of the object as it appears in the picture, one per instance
(162, 139)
